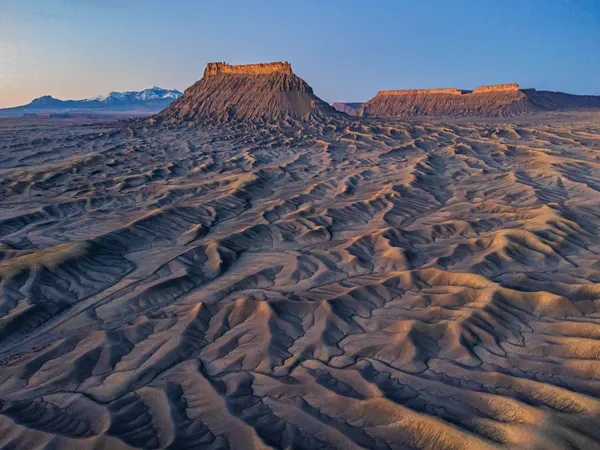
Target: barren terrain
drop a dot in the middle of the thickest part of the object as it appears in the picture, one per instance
(344, 283)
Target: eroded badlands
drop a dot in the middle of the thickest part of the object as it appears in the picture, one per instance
(341, 284)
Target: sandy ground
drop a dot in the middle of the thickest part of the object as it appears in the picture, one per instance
(345, 284)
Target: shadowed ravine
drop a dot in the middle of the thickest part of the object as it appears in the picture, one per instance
(338, 284)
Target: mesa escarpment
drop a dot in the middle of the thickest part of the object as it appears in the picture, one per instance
(268, 92)
(498, 100)
(216, 68)
(497, 88)
(451, 91)
(485, 101)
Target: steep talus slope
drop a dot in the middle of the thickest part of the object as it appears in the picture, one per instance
(255, 92)
(341, 284)
(485, 101)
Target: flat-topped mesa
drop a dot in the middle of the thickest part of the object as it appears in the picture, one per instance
(216, 68)
(497, 87)
(500, 100)
(451, 91)
(247, 93)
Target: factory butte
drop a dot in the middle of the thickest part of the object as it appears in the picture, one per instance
(273, 92)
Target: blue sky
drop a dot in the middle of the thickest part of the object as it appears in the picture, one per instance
(346, 49)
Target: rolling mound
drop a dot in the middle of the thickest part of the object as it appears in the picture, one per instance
(503, 100)
(253, 92)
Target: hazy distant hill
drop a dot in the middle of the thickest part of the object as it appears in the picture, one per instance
(347, 107)
(148, 101)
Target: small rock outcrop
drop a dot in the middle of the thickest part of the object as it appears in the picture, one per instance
(246, 93)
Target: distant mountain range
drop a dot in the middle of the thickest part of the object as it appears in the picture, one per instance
(148, 101)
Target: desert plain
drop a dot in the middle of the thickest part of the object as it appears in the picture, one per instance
(341, 282)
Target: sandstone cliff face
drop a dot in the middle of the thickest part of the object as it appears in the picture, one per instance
(454, 91)
(497, 88)
(213, 69)
(451, 91)
(254, 93)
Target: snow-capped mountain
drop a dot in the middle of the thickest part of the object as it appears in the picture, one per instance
(148, 101)
(154, 93)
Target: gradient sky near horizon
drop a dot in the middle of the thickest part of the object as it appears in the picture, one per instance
(347, 50)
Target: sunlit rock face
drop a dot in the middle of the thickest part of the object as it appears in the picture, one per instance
(451, 91)
(219, 68)
(497, 88)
